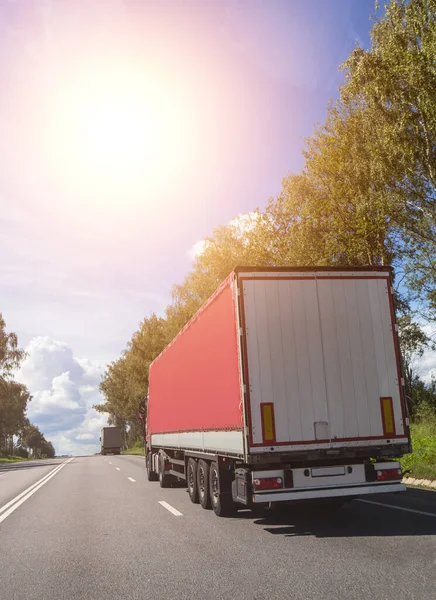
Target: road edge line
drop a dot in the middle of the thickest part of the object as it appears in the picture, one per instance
(412, 510)
(36, 487)
(8, 504)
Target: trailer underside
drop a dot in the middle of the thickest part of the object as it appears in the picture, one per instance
(225, 482)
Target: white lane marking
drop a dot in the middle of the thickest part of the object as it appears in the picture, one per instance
(412, 510)
(118, 468)
(110, 462)
(6, 506)
(20, 499)
(131, 479)
(170, 508)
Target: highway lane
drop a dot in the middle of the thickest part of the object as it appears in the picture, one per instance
(17, 477)
(91, 532)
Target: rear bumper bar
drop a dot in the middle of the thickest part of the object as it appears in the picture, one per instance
(361, 490)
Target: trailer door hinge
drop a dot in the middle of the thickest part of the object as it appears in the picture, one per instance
(396, 327)
(402, 382)
(241, 332)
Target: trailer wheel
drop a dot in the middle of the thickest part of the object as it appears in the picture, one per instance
(203, 483)
(164, 479)
(222, 504)
(151, 475)
(191, 479)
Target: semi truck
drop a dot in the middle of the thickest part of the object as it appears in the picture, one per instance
(110, 439)
(285, 386)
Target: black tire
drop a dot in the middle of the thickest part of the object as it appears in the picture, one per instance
(203, 484)
(151, 475)
(222, 504)
(191, 480)
(164, 479)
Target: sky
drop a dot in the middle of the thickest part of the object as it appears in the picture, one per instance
(130, 130)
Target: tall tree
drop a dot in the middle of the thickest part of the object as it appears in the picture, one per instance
(125, 381)
(32, 438)
(10, 355)
(13, 403)
(13, 396)
(413, 341)
(394, 85)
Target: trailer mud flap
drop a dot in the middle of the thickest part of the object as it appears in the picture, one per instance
(241, 487)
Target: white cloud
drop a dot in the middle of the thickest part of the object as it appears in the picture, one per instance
(241, 225)
(64, 388)
(84, 436)
(245, 223)
(197, 249)
(425, 366)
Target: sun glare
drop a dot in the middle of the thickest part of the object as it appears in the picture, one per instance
(119, 133)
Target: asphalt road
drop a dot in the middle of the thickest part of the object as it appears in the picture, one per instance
(90, 532)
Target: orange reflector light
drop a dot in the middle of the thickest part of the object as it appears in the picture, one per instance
(387, 410)
(268, 426)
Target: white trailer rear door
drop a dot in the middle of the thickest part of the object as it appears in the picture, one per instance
(321, 363)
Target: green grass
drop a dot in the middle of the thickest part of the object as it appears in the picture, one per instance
(12, 459)
(422, 461)
(137, 449)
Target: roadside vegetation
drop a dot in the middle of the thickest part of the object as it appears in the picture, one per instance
(19, 439)
(422, 461)
(12, 459)
(137, 448)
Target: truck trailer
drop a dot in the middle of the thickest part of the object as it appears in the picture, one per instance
(110, 439)
(286, 385)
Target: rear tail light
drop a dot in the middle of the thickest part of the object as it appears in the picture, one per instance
(268, 483)
(389, 474)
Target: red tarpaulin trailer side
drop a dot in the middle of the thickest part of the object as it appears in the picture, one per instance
(195, 383)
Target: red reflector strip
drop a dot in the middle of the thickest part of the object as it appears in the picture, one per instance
(268, 424)
(387, 411)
